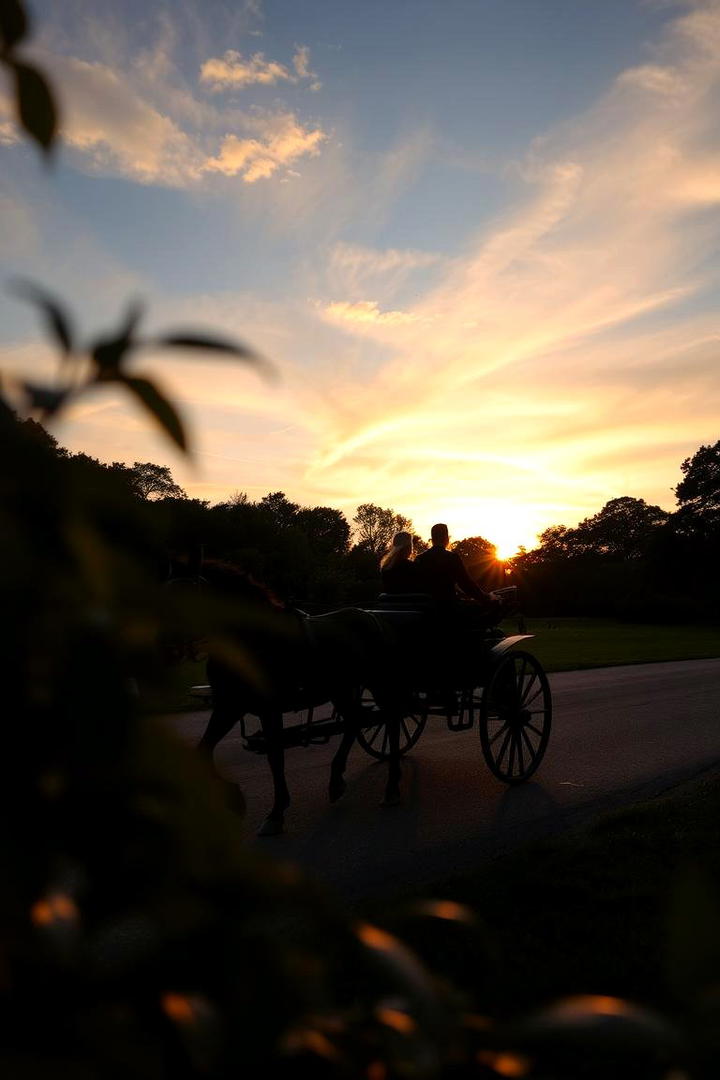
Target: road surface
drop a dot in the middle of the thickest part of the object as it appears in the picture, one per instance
(618, 734)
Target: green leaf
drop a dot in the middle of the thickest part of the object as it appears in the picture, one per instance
(107, 356)
(13, 23)
(58, 320)
(36, 105)
(234, 349)
(133, 315)
(46, 398)
(158, 405)
(108, 353)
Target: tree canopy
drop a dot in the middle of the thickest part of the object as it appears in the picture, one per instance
(375, 527)
(622, 529)
(698, 493)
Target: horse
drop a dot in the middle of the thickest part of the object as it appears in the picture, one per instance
(264, 659)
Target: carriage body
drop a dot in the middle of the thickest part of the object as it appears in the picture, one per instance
(465, 673)
(470, 674)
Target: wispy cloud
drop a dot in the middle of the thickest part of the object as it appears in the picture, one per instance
(136, 116)
(356, 269)
(568, 353)
(549, 302)
(119, 130)
(232, 71)
(282, 141)
(366, 311)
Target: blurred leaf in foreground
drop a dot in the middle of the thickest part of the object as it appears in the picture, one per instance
(35, 104)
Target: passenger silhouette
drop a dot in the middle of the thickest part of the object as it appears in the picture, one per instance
(441, 573)
(397, 571)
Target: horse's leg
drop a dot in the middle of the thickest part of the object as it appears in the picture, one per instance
(272, 727)
(349, 709)
(392, 787)
(222, 719)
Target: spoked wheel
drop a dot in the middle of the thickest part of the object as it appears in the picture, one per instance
(515, 717)
(373, 735)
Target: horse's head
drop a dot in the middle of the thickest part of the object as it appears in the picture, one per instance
(215, 600)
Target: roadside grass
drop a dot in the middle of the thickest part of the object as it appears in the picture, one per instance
(560, 644)
(567, 644)
(626, 906)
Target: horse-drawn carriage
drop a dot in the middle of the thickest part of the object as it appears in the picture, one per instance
(474, 675)
(416, 665)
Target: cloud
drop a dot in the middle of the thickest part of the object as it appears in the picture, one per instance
(119, 130)
(233, 72)
(146, 124)
(301, 63)
(568, 355)
(365, 311)
(655, 79)
(283, 140)
(585, 301)
(352, 267)
(8, 133)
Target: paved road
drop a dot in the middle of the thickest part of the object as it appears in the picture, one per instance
(618, 734)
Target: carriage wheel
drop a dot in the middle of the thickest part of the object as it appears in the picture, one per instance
(374, 738)
(515, 717)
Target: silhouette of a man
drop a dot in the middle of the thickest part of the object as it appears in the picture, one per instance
(442, 572)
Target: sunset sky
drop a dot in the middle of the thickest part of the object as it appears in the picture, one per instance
(477, 238)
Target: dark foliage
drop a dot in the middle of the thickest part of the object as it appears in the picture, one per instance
(35, 103)
(138, 937)
(630, 560)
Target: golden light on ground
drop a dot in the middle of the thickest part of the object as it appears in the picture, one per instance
(396, 1019)
(57, 907)
(505, 1063)
(179, 1007)
(375, 938)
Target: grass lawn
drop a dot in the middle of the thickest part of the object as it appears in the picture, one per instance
(564, 644)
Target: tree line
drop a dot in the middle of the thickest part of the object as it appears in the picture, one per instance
(630, 559)
(633, 559)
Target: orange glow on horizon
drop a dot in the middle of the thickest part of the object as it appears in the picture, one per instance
(509, 527)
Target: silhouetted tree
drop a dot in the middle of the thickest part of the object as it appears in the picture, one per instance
(150, 481)
(375, 527)
(698, 493)
(280, 509)
(326, 529)
(623, 529)
(556, 542)
(36, 431)
(475, 549)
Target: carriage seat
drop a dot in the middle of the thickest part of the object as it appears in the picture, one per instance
(414, 601)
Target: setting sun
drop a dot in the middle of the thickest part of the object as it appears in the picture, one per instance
(505, 549)
(506, 525)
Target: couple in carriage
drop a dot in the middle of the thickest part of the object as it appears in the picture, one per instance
(435, 577)
(453, 608)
